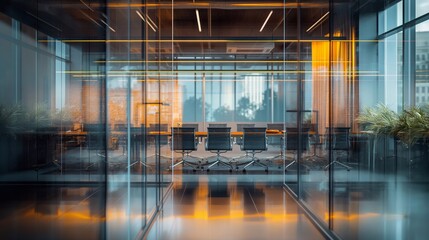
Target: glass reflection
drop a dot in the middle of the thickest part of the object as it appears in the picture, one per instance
(219, 209)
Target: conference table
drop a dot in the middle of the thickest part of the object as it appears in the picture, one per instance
(274, 133)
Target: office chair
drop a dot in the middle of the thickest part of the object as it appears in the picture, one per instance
(314, 140)
(254, 141)
(190, 125)
(240, 128)
(292, 142)
(159, 139)
(276, 141)
(217, 125)
(140, 135)
(340, 142)
(219, 141)
(121, 128)
(185, 142)
(95, 140)
(239, 140)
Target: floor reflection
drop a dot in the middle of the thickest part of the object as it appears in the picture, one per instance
(51, 212)
(222, 208)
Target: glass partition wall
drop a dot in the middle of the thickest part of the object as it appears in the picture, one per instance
(91, 99)
(360, 173)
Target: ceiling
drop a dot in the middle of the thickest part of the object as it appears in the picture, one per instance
(225, 25)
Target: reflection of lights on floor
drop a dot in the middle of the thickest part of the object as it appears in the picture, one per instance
(355, 216)
(67, 215)
(266, 216)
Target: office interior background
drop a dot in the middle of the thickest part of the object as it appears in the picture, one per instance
(87, 88)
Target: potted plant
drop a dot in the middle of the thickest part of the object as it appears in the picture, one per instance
(379, 120)
(413, 125)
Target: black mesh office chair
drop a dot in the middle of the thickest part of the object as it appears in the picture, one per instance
(240, 128)
(190, 125)
(276, 141)
(292, 142)
(340, 142)
(185, 142)
(239, 140)
(219, 141)
(254, 141)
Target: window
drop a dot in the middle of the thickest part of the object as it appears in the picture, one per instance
(422, 7)
(390, 18)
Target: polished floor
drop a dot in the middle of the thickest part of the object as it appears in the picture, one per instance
(74, 211)
(218, 206)
(231, 207)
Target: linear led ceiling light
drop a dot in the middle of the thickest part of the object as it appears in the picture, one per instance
(322, 19)
(152, 22)
(105, 23)
(198, 19)
(144, 20)
(266, 20)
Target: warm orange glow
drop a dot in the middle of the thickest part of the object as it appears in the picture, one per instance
(332, 63)
(70, 216)
(352, 216)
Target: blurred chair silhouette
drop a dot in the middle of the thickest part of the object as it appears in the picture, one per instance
(254, 141)
(121, 129)
(277, 141)
(185, 142)
(190, 125)
(140, 135)
(95, 141)
(156, 132)
(292, 142)
(219, 141)
(340, 142)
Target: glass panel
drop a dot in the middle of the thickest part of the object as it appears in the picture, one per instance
(390, 18)
(422, 7)
(5, 25)
(422, 63)
(314, 180)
